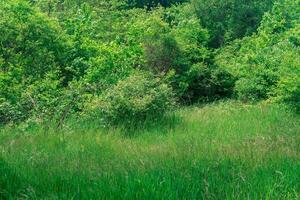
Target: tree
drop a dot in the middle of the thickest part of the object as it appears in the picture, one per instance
(32, 52)
(227, 20)
(267, 64)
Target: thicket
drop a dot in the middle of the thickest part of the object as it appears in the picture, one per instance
(266, 65)
(136, 98)
(132, 59)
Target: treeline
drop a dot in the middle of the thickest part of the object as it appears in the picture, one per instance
(125, 61)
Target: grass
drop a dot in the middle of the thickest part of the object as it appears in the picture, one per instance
(219, 151)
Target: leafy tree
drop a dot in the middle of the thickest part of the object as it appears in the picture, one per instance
(267, 64)
(175, 46)
(31, 48)
(56, 56)
(230, 19)
(152, 3)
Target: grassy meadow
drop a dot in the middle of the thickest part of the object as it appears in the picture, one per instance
(222, 150)
(149, 99)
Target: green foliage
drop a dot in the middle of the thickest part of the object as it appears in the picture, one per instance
(54, 55)
(133, 100)
(43, 98)
(29, 41)
(78, 66)
(112, 63)
(32, 48)
(288, 89)
(230, 19)
(152, 3)
(206, 83)
(160, 47)
(268, 61)
(8, 112)
(174, 46)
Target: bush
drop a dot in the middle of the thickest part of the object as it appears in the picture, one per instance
(133, 100)
(151, 3)
(228, 20)
(8, 112)
(32, 46)
(288, 91)
(267, 64)
(203, 83)
(175, 47)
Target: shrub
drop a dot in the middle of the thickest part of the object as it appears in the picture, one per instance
(133, 100)
(151, 3)
(267, 64)
(105, 68)
(203, 82)
(8, 112)
(228, 20)
(288, 91)
(32, 46)
(175, 47)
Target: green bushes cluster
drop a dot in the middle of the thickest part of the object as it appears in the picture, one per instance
(228, 20)
(32, 54)
(58, 56)
(266, 65)
(175, 47)
(132, 100)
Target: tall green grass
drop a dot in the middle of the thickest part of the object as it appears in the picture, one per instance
(219, 151)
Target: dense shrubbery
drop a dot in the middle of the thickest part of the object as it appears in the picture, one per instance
(267, 64)
(134, 99)
(57, 56)
(175, 47)
(151, 3)
(230, 19)
(32, 56)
